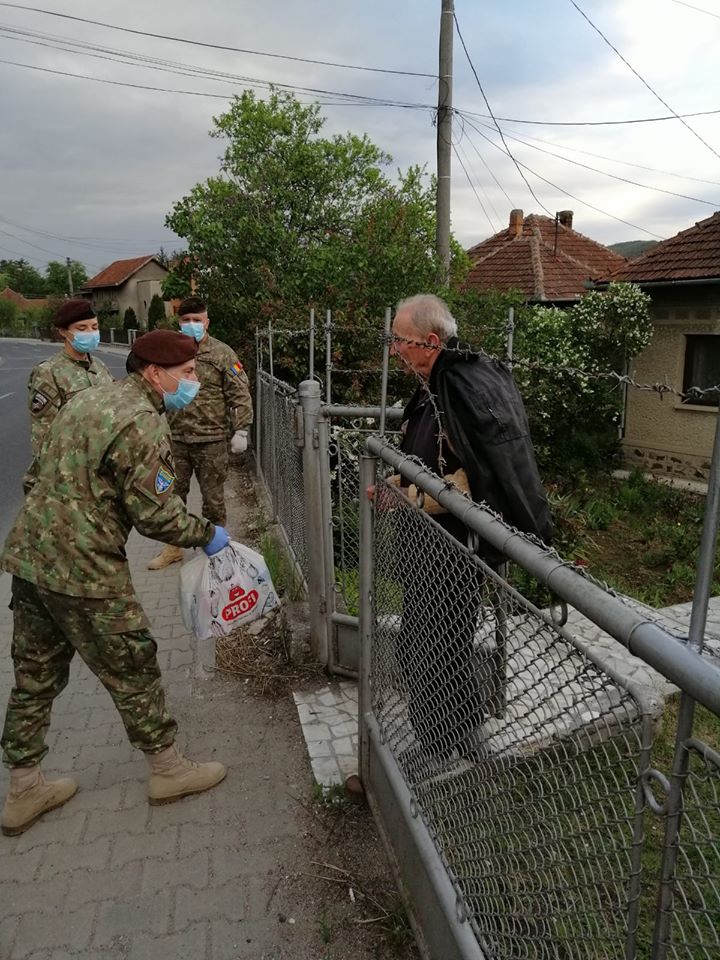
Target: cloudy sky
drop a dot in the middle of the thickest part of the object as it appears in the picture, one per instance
(90, 169)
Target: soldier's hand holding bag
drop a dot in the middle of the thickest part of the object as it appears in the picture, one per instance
(227, 590)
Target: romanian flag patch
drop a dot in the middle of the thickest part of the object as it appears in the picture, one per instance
(236, 368)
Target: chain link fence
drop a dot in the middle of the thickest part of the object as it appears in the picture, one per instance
(536, 773)
(279, 457)
(522, 756)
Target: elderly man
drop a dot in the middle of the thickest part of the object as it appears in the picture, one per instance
(466, 421)
(106, 467)
(201, 431)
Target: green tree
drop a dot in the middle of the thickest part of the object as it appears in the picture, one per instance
(294, 220)
(562, 361)
(56, 277)
(130, 320)
(156, 312)
(177, 284)
(21, 277)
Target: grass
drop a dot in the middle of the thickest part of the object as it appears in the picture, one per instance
(639, 535)
(698, 869)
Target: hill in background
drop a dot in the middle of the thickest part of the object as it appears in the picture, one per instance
(633, 248)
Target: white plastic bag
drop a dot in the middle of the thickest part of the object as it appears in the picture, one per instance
(225, 591)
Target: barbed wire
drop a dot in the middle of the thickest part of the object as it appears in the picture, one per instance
(691, 393)
(680, 629)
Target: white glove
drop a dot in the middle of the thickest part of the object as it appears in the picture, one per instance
(238, 441)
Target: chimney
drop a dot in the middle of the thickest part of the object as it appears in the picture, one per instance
(565, 218)
(516, 223)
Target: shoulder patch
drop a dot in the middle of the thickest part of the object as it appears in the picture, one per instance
(39, 401)
(164, 479)
(236, 368)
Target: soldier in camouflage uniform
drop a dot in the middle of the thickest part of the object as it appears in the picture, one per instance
(53, 382)
(200, 432)
(106, 467)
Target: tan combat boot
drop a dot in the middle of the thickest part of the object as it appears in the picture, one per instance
(30, 796)
(173, 776)
(168, 555)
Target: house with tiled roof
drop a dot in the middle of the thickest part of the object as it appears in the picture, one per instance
(22, 302)
(126, 283)
(675, 435)
(545, 258)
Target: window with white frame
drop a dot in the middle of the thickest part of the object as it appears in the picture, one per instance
(702, 368)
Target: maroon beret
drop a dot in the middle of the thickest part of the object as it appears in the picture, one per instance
(73, 310)
(167, 348)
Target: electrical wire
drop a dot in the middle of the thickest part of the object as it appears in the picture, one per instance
(626, 163)
(360, 101)
(643, 80)
(497, 125)
(613, 176)
(217, 46)
(92, 242)
(472, 187)
(567, 193)
(699, 9)
(487, 196)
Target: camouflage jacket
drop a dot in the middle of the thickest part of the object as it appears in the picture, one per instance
(51, 385)
(106, 468)
(223, 404)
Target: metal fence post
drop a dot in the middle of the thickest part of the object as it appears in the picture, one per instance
(510, 335)
(328, 357)
(311, 346)
(686, 713)
(325, 492)
(273, 448)
(257, 419)
(310, 401)
(368, 473)
(385, 367)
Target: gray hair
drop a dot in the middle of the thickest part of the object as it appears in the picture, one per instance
(430, 314)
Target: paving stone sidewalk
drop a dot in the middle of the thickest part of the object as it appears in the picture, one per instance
(107, 876)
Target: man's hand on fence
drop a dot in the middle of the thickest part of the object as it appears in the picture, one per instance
(382, 497)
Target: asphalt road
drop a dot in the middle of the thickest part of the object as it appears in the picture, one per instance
(17, 358)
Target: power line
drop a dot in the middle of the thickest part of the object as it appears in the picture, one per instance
(360, 101)
(699, 9)
(644, 81)
(470, 167)
(489, 109)
(472, 187)
(217, 46)
(81, 241)
(572, 196)
(485, 163)
(115, 55)
(613, 176)
(626, 163)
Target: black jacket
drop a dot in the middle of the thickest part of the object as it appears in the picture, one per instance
(487, 427)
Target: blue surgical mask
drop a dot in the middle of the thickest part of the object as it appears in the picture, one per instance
(186, 392)
(193, 328)
(85, 342)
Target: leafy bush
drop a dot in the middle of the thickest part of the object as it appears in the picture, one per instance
(130, 320)
(156, 312)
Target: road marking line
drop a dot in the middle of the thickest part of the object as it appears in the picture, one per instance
(7, 395)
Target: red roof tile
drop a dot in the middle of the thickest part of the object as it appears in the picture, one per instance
(693, 254)
(117, 273)
(544, 260)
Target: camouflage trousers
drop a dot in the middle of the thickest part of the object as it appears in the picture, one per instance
(112, 636)
(209, 463)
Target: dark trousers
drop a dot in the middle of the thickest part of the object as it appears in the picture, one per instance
(435, 654)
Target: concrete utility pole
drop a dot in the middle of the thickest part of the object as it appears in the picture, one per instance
(444, 137)
(68, 261)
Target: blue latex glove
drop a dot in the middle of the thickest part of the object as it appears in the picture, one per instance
(221, 538)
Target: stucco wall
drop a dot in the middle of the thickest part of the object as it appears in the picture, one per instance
(665, 435)
(137, 293)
